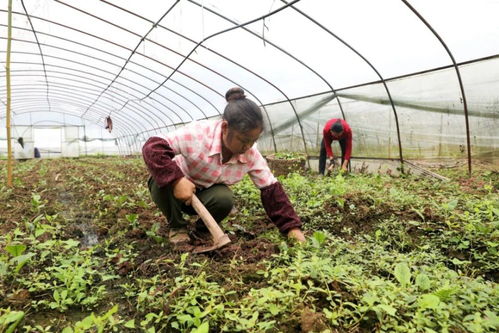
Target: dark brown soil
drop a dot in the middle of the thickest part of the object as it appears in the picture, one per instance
(312, 321)
(358, 215)
(282, 167)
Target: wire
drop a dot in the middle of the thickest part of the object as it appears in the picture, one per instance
(128, 60)
(41, 53)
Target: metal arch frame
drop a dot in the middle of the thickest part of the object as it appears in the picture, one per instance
(127, 60)
(71, 100)
(278, 48)
(39, 48)
(186, 57)
(122, 116)
(372, 67)
(155, 24)
(61, 112)
(458, 73)
(111, 54)
(71, 79)
(154, 129)
(81, 89)
(435, 69)
(60, 89)
(99, 69)
(30, 105)
(461, 86)
(145, 56)
(102, 70)
(224, 31)
(204, 66)
(266, 80)
(78, 63)
(267, 116)
(108, 106)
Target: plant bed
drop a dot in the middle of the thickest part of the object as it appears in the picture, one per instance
(283, 164)
(382, 254)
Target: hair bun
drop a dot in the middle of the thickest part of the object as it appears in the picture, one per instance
(234, 94)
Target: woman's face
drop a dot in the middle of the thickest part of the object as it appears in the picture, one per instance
(239, 142)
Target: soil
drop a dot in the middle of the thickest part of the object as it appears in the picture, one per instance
(283, 167)
(312, 321)
(356, 216)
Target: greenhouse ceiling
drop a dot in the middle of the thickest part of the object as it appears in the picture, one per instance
(151, 65)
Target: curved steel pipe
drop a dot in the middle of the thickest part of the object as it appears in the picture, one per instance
(465, 104)
(373, 68)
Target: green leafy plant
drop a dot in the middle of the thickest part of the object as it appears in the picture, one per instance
(10, 319)
(19, 259)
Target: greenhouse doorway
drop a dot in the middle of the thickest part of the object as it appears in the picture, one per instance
(48, 140)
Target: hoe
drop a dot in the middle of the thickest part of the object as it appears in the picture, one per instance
(220, 239)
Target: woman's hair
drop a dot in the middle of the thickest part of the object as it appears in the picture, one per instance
(241, 113)
(337, 127)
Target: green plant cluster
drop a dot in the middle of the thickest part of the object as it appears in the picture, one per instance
(288, 156)
(382, 254)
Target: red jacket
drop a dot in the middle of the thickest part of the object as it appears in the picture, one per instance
(328, 138)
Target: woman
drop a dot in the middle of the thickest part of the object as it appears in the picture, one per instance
(335, 129)
(204, 157)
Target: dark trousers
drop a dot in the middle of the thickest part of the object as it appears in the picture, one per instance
(218, 200)
(323, 155)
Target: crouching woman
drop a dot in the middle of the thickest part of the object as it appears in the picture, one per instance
(204, 158)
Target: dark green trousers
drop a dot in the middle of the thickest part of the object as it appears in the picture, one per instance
(218, 200)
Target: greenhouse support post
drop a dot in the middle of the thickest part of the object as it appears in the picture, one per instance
(459, 79)
(7, 76)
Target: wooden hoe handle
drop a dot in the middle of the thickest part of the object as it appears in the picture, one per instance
(212, 225)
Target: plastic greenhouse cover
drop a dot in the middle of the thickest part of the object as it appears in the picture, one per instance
(153, 65)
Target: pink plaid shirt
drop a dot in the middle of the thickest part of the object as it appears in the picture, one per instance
(198, 150)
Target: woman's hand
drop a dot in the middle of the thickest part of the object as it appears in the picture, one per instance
(296, 234)
(344, 166)
(183, 189)
(332, 164)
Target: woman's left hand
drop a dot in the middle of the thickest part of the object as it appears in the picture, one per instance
(296, 234)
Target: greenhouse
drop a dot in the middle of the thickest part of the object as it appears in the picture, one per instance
(104, 105)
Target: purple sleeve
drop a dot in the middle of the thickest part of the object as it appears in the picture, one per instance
(279, 208)
(158, 157)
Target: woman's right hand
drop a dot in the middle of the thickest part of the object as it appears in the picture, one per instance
(183, 189)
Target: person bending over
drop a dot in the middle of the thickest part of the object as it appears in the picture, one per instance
(335, 129)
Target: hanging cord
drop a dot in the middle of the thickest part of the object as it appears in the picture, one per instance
(264, 26)
(41, 53)
(202, 19)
